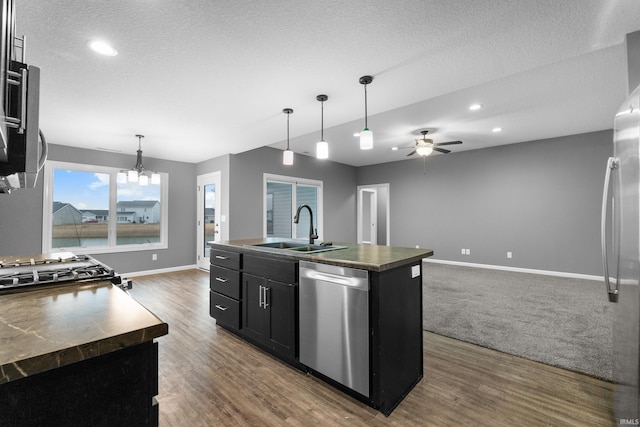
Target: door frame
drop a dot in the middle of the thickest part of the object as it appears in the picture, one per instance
(203, 261)
(384, 204)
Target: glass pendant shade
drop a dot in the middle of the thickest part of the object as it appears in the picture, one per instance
(424, 151)
(287, 157)
(155, 178)
(132, 176)
(121, 178)
(322, 150)
(143, 180)
(366, 139)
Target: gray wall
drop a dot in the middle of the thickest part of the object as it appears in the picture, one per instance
(246, 187)
(540, 200)
(21, 213)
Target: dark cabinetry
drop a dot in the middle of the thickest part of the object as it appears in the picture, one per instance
(269, 312)
(115, 389)
(225, 288)
(256, 297)
(255, 294)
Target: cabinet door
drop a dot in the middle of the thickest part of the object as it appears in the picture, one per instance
(255, 316)
(281, 304)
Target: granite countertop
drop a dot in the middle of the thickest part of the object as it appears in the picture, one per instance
(51, 327)
(366, 257)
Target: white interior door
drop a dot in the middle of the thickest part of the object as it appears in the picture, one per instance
(368, 216)
(209, 215)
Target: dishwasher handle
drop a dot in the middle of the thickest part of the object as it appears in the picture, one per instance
(335, 275)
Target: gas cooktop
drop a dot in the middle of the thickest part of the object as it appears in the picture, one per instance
(28, 272)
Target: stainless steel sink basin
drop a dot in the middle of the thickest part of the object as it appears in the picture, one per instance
(297, 246)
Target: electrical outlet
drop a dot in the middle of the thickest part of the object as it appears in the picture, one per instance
(509, 255)
(468, 251)
(463, 251)
(154, 257)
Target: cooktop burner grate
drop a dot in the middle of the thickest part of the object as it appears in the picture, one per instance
(18, 274)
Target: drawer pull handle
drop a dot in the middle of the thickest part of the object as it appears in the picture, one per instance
(220, 279)
(221, 308)
(221, 257)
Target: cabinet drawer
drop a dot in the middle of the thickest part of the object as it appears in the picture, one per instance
(273, 268)
(225, 281)
(225, 310)
(226, 259)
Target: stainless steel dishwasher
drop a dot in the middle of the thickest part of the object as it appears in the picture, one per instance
(334, 323)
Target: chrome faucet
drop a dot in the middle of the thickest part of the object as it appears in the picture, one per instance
(312, 234)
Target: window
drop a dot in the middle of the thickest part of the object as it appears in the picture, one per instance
(282, 196)
(86, 210)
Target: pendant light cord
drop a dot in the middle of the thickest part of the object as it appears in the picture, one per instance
(288, 114)
(365, 107)
(322, 121)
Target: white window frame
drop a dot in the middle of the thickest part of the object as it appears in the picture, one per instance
(318, 216)
(111, 247)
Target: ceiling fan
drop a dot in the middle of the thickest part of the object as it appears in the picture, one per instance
(426, 146)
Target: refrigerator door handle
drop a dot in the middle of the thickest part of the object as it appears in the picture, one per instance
(612, 164)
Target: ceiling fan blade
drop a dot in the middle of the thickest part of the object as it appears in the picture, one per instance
(411, 153)
(442, 150)
(448, 143)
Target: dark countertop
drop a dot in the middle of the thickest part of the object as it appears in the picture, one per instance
(51, 327)
(366, 257)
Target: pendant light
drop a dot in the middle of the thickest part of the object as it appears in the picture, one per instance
(287, 155)
(138, 173)
(366, 136)
(322, 147)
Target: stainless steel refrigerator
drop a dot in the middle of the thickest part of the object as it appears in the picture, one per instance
(621, 256)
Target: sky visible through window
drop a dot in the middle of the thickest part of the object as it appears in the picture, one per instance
(88, 190)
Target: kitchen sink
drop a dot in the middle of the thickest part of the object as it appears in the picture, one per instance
(297, 247)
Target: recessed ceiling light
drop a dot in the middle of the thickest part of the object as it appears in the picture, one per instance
(474, 107)
(357, 134)
(394, 148)
(496, 130)
(102, 47)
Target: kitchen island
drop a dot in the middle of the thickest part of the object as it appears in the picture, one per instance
(78, 354)
(259, 293)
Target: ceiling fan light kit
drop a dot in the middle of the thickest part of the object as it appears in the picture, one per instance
(322, 147)
(287, 155)
(424, 151)
(425, 146)
(366, 136)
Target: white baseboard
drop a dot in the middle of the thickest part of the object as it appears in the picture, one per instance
(158, 271)
(517, 269)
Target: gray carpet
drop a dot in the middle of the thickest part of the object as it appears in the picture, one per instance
(558, 321)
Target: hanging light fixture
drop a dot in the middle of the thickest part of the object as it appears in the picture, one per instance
(366, 136)
(322, 147)
(287, 155)
(138, 173)
(424, 146)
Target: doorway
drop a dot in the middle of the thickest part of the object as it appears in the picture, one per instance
(373, 214)
(209, 215)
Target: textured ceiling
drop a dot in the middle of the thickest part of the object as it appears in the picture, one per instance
(202, 78)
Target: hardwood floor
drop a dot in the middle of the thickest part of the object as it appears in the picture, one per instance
(209, 377)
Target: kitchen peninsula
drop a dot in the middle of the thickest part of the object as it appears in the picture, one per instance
(348, 314)
(80, 353)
